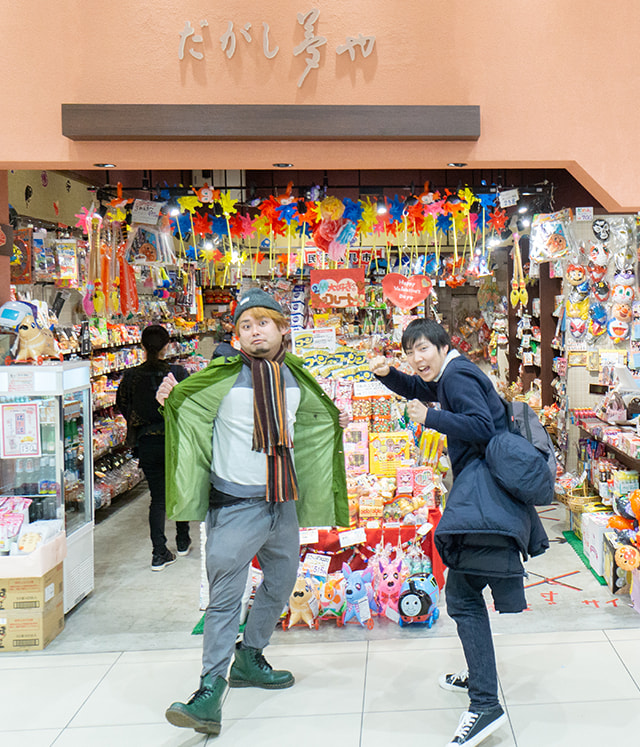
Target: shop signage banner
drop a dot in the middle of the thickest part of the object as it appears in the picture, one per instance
(406, 292)
(337, 288)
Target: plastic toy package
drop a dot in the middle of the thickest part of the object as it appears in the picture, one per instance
(551, 236)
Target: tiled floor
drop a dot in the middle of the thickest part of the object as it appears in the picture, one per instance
(569, 671)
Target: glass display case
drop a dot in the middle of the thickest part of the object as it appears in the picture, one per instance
(46, 455)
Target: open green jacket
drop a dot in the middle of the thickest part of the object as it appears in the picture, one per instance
(190, 412)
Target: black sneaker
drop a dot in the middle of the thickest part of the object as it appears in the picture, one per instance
(457, 682)
(476, 727)
(183, 547)
(160, 561)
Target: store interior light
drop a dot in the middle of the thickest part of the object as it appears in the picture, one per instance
(174, 211)
(382, 208)
(523, 209)
(208, 244)
(283, 165)
(456, 165)
(105, 165)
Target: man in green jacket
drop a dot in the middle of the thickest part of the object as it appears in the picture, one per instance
(254, 447)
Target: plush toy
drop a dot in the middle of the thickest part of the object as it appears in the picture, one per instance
(390, 581)
(303, 602)
(359, 595)
(332, 598)
(33, 343)
(418, 600)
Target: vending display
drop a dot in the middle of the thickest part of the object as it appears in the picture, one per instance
(46, 462)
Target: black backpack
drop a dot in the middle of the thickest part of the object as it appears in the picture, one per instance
(521, 459)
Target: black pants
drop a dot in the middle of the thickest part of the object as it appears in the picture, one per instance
(466, 605)
(151, 457)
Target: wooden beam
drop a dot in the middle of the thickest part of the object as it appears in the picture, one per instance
(268, 122)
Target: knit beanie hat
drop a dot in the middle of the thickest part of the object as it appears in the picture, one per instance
(255, 297)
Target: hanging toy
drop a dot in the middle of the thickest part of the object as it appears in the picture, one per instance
(600, 291)
(577, 328)
(597, 320)
(617, 330)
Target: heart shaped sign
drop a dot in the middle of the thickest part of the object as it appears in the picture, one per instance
(405, 292)
(3, 238)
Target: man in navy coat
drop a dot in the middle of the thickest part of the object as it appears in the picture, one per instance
(484, 533)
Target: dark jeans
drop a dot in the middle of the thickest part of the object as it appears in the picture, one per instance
(151, 457)
(466, 606)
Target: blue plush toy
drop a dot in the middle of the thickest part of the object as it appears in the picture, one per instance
(360, 597)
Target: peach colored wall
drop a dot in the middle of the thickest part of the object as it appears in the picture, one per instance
(556, 80)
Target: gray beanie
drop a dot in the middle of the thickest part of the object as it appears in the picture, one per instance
(255, 298)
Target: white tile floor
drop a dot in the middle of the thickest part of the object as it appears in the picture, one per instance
(576, 685)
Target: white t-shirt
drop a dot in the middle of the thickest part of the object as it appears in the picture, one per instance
(236, 469)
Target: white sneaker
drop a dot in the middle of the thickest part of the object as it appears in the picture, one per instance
(476, 727)
(457, 682)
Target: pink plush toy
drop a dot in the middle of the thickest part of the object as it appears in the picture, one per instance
(391, 578)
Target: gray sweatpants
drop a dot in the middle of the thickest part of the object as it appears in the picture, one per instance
(235, 534)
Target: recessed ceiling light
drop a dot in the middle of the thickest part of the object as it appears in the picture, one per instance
(283, 165)
(105, 165)
(457, 165)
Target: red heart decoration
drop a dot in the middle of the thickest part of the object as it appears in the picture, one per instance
(405, 292)
(3, 238)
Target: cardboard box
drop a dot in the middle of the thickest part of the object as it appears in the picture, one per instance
(37, 563)
(616, 578)
(594, 526)
(30, 631)
(37, 593)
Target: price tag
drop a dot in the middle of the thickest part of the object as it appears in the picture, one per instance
(392, 615)
(352, 537)
(145, 211)
(424, 529)
(317, 565)
(373, 524)
(508, 198)
(309, 536)
(369, 389)
(584, 213)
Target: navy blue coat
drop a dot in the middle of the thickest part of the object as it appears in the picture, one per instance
(471, 413)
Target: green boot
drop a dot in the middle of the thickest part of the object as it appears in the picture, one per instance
(251, 669)
(203, 710)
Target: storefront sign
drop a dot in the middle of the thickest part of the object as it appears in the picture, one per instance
(405, 292)
(337, 288)
(232, 34)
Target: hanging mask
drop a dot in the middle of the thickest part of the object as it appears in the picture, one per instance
(601, 229)
(617, 330)
(623, 294)
(597, 319)
(625, 277)
(599, 255)
(622, 312)
(596, 272)
(600, 291)
(575, 274)
(635, 309)
(577, 327)
(578, 309)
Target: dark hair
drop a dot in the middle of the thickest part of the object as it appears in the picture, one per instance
(427, 329)
(154, 338)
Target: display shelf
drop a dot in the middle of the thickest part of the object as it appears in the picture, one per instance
(627, 459)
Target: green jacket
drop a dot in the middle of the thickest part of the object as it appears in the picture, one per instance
(190, 412)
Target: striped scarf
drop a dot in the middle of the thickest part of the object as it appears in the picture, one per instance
(270, 432)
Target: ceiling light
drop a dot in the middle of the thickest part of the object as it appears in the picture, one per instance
(105, 165)
(283, 165)
(454, 165)
(523, 209)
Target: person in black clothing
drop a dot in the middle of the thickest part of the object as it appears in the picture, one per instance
(136, 400)
(484, 532)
